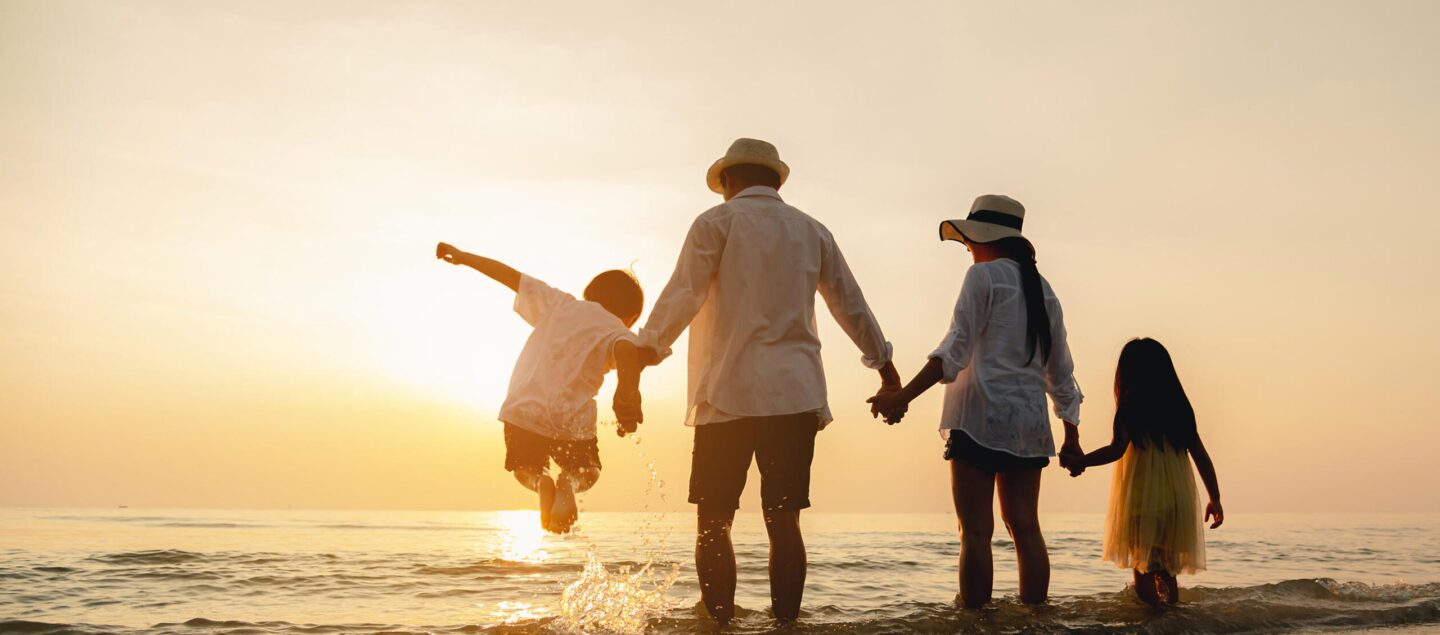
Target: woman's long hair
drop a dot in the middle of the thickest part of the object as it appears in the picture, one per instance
(1037, 317)
(1150, 403)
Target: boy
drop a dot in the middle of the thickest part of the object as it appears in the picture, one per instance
(549, 411)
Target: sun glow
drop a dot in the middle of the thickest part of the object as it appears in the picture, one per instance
(522, 539)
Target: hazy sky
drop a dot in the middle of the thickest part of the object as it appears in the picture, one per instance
(219, 219)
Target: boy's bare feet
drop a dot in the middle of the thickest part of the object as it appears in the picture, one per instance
(546, 487)
(564, 511)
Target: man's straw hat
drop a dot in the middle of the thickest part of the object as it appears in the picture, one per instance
(747, 151)
(992, 217)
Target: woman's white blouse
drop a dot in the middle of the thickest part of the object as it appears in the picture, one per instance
(991, 392)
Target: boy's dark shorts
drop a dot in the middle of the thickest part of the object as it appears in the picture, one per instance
(526, 450)
(783, 446)
(961, 447)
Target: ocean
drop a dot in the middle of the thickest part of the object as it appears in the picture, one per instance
(225, 571)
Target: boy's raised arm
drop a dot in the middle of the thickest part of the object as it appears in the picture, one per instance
(497, 270)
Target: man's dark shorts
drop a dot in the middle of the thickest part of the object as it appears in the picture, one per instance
(783, 446)
(526, 450)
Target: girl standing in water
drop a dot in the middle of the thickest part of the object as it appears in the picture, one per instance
(1004, 352)
(1153, 525)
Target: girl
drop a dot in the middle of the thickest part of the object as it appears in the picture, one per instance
(1153, 525)
(1005, 351)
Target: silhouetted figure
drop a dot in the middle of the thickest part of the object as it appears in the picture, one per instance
(745, 286)
(1005, 351)
(549, 410)
(1153, 525)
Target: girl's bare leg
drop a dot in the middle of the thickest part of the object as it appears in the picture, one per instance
(1019, 506)
(973, 490)
(1170, 590)
(1145, 584)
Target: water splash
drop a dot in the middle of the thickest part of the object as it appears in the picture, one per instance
(615, 602)
(624, 600)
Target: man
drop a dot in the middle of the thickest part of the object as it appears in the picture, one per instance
(745, 285)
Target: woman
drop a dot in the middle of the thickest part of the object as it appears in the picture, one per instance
(1005, 350)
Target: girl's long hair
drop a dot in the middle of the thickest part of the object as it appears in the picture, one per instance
(1037, 317)
(1150, 403)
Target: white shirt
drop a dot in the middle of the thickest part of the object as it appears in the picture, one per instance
(560, 370)
(745, 284)
(992, 393)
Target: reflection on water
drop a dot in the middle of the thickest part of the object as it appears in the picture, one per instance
(522, 538)
(326, 573)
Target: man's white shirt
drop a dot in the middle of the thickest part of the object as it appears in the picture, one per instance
(745, 285)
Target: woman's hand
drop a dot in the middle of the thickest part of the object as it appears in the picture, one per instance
(1214, 509)
(889, 403)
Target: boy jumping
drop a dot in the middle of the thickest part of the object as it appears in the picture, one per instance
(549, 411)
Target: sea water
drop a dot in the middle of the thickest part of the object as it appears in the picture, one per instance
(187, 571)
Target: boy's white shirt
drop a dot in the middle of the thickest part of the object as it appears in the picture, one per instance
(560, 370)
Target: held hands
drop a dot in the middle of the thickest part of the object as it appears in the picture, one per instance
(1072, 457)
(1214, 509)
(627, 411)
(890, 403)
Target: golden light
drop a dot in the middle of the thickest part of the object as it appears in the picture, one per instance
(522, 539)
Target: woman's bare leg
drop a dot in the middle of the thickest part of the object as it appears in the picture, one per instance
(973, 490)
(1019, 506)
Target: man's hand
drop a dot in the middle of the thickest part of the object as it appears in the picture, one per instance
(627, 411)
(449, 253)
(888, 402)
(1214, 509)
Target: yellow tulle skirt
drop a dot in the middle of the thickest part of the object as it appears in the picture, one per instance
(1154, 517)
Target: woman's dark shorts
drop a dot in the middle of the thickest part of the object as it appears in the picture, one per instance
(783, 446)
(526, 450)
(961, 447)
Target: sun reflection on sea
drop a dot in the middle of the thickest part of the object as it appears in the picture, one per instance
(513, 612)
(522, 539)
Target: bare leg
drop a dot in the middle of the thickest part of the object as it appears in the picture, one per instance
(974, 491)
(787, 563)
(542, 484)
(1145, 584)
(565, 511)
(1019, 506)
(1167, 587)
(715, 564)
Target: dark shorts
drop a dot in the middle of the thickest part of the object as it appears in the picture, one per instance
(961, 447)
(525, 450)
(783, 446)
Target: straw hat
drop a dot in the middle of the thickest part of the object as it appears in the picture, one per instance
(992, 217)
(746, 151)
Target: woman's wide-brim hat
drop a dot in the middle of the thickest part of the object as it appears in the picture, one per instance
(992, 217)
(746, 152)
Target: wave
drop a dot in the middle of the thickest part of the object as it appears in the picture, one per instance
(1279, 607)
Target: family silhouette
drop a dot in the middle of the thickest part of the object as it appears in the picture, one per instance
(744, 286)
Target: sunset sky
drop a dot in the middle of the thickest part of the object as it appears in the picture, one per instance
(217, 284)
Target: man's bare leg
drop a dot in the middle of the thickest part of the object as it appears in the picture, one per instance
(787, 563)
(565, 511)
(715, 564)
(542, 484)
